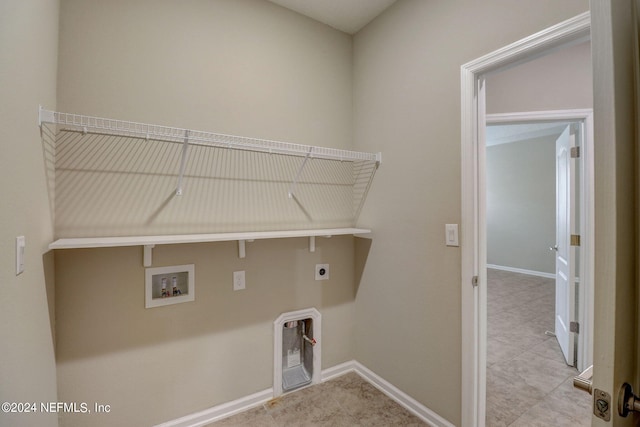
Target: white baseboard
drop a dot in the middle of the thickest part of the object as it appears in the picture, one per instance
(522, 271)
(219, 412)
(338, 370)
(412, 405)
(228, 409)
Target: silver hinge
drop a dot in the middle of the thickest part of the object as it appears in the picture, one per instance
(474, 281)
(574, 327)
(575, 240)
(575, 152)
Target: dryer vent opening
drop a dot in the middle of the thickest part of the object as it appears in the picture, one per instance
(297, 350)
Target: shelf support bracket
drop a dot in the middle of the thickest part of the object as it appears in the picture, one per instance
(183, 162)
(292, 187)
(312, 242)
(45, 116)
(148, 255)
(242, 249)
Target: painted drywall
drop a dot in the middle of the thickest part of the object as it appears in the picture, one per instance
(245, 67)
(560, 80)
(248, 68)
(115, 186)
(521, 204)
(154, 365)
(407, 105)
(28, 58)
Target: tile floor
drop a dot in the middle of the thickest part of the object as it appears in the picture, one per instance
(347, 401)
(528, 382)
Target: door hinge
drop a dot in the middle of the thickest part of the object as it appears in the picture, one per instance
(574, 327)
(575, 240)
(575, 152)
(474, 281)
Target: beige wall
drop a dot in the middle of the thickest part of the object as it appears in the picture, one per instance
(154, 365)
(114, 186)
(407, 105)
(521, 204)
(557, 81)
(28, 47)
(245, 67)
(250, 68)
(239, 67)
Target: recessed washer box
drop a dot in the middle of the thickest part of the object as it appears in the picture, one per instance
(297, 350)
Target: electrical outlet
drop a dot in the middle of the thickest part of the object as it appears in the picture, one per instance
(238, 280)
(322, 271)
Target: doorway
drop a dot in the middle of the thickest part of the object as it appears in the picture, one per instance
(473, 235)
(529, 225)
(527, 301)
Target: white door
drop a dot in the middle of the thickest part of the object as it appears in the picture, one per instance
(565, 258)
(616, 104)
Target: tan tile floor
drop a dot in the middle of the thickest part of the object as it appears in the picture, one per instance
(347, 401)
(528, 381)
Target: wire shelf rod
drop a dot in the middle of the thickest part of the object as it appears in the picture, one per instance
(183, 162)
(90, 124)
(292, 187)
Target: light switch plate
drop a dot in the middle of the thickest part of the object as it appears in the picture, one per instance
(451, 234)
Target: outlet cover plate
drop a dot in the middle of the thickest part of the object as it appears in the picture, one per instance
(322, 271)
(239, 280)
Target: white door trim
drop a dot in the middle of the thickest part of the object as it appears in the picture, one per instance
(473, 238)
(586, 226)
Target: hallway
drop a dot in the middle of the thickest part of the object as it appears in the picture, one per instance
(528, 381)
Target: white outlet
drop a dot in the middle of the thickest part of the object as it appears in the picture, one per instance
(238, 280)
(322, 271)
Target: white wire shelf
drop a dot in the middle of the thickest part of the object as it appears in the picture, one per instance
(106, 242)
(149, 242)
(89, 124)
(328, 194)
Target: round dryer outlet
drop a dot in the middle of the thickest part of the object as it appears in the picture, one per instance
(322, 271)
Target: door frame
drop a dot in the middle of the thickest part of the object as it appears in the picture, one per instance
(586, 222)
(473, 203)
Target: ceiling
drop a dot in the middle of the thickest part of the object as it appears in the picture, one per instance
(504, 133)
(345, 15)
